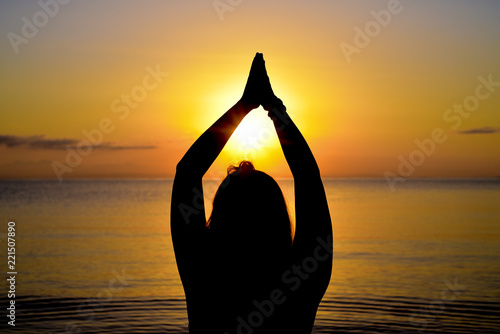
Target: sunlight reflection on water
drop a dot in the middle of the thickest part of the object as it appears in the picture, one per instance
(393, 253)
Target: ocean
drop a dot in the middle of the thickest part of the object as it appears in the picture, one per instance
(95, 256)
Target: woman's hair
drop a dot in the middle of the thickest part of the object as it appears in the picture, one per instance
(250, 217)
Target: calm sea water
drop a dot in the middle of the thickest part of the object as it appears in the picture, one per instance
(96, 257)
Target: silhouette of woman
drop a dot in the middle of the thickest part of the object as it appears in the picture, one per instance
(241, 271)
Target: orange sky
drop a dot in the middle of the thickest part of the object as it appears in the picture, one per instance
(364, 81)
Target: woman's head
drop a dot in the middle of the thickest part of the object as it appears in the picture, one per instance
(250, 215)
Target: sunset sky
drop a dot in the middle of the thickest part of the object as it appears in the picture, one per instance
(377, 87)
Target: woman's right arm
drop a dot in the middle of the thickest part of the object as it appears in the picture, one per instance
(312, 216)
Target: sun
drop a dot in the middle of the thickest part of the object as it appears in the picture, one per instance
(253, 139)
(254, 130)
(253, 136)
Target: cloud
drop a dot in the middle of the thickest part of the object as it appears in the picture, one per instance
(41, 143)
(484, 130)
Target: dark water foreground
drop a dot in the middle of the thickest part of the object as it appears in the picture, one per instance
(345, 315)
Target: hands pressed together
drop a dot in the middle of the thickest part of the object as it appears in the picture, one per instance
(258, 90)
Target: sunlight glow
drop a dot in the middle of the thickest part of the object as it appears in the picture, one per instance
(254, 139)
(254, 136)
(254, 131)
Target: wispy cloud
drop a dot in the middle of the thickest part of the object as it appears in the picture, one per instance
(484, 130)
(39, 142)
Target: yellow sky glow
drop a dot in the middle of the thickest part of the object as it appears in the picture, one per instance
(361, 114)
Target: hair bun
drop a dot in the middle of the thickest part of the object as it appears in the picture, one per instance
(244, 167)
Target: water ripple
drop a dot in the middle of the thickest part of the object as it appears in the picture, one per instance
(339, 314)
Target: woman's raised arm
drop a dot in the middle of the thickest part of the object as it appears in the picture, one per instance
(187, 216)
(312, 216)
